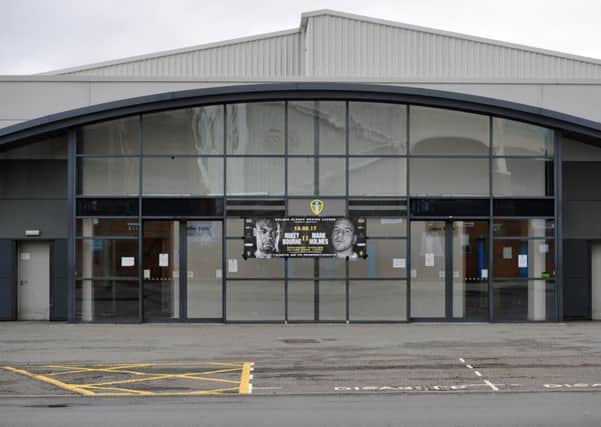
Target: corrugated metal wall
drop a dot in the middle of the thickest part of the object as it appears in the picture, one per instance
(276, 56)
(340, 46)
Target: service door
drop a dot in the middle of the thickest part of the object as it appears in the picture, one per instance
(33, 283)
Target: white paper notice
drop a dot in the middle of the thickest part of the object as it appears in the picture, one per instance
(507, 252)
(25, 256)
(163, 260)
(543, 248)
(128, 261)
(190, 275)
(413, 273)
(218, 273)
(429, 260)
(399, 263)
(441, 274)
(232, 265)
(522, 261)
(146, 274)
(455, 275)
(484, 273)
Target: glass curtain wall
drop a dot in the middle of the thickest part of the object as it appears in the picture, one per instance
(224, 162)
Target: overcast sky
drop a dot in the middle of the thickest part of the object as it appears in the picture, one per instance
(43, 35)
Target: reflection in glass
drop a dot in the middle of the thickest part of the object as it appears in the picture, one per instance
(238, 267)
(161, 269)
(97, 227)
(204, 286)
(536, 227)
(301, 300)
(437, 131)
(301, 176)
(109, 176)
(120, 137)
(511, 138)
(114, 300)
(332, 177)
(196, 130)
(377, 128)
(332, 300)
(428, 265)
(255, 176)
(522, 177)
(372, 176)
(255, 300)
(523, 300)
(378, 300)
(386, 227)
(255, 128)
(442, 177)
(183, 176)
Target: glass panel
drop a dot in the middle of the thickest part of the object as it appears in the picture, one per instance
(107, 207)
(377, 128)
(106, 176)
(302, 120)
(332, 267)
(332, 127)
(428, 265)
(97, 227)
(255, 128)
(386, 227)
(187, 131)
(107, 258)
(449, 177)
(235, 227)
(378, 300)
(385, 258)
(523, 207)
(121, 137)
(573, 150)
(332, 177)
(255, 300)
(524, 258)
(437, 131)
(511, 138)
(301, 267)
(97, 300)
(238, 267)
(161, 269)
(470, 270)
(522, 177)
(183, 176)
(524, 228)
(50, 148)
(332, 300)
(523, 300)
(255, 176)
(372, 176)
(316, 121)
(301, 176)
(451, 207)
(301, 300)
(205, 273)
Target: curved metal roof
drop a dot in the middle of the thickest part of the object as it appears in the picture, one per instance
(264, 92)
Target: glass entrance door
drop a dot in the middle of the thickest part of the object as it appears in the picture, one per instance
(449, 273)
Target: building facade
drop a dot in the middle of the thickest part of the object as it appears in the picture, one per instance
(126, 186)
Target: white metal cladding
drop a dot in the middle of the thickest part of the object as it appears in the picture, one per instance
(344, 46)
(271, 56)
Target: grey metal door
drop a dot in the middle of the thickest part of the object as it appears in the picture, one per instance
(33, 285)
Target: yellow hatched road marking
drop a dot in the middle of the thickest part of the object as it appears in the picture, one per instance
(243, 386)
(65, 386)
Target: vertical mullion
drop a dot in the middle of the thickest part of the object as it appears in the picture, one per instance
(224, 222)
(72, 193)
(490, 220)
(346, 201)
(286, 207)
(408, 215)
(140, 223)
(316, 183)
(448, 274)
(558, 227)
(183, 270)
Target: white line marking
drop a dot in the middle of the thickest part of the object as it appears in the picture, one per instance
(250, 389)
(470, 366)
(462, 360)
(268, 388)
(478, 373)
(491, 385)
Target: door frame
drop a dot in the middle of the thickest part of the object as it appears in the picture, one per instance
(449, 262)
(17, 273)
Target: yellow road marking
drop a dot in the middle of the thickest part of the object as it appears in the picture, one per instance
(245, 386)
(65, 386)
